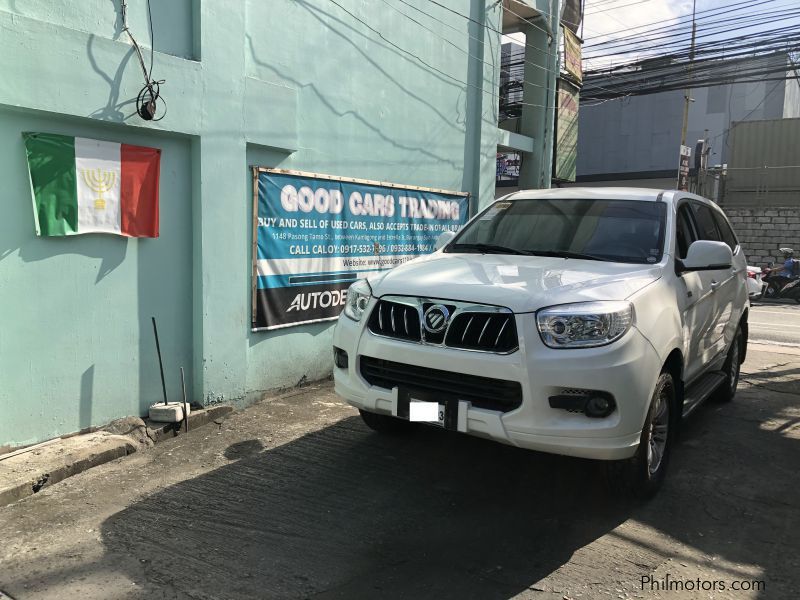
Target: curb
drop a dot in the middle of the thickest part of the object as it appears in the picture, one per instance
(27, 473)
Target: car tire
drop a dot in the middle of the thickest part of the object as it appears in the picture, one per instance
(385, 423)
(641, 476)
(770, 291)
(727, 390)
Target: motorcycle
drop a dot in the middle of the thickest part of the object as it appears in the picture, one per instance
(778, 286)
(790, 291)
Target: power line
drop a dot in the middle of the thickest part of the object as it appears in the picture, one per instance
(418, 58)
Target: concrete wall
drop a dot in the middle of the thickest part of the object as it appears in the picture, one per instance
(76, 341)
(762, 231)
(300, 84)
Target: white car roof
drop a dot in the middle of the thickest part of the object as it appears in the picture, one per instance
(603, 193)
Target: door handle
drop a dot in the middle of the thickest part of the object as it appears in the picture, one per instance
(714, 285)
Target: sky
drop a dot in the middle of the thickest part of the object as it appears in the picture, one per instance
(614, 19)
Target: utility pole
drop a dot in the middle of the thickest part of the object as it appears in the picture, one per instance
(688, 97)
(683, 168)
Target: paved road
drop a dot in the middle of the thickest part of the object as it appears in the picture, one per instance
(775, 322)
(296, 498)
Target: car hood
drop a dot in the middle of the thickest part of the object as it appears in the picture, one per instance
(521, 283)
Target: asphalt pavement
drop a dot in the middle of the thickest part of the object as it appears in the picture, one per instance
(295, 498)
(775, 322)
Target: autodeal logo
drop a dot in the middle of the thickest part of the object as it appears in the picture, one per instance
(315, 300)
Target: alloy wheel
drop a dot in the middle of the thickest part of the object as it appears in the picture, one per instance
(659, 431)
(734, 370)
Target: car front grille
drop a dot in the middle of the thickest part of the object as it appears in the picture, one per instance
(483, 331)
(397, 320)
(477, 327)
(482, 392)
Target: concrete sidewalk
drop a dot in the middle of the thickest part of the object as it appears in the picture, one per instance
(27, 471)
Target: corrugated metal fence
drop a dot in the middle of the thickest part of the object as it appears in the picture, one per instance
(764, 169)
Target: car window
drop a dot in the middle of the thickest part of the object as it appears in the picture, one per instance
(685, 231)
(725, 230)
(706, 225)
(610, 230)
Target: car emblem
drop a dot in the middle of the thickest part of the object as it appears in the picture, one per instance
(436, 318)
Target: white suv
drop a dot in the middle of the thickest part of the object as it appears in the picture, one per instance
(576, 321)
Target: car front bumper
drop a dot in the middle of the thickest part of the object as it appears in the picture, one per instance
(627, 369)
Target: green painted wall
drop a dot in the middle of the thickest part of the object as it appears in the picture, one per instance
(76, 342)
(299, 84)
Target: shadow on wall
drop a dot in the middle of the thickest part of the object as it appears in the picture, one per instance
(326, 19)
(86, 398)
(113, 109)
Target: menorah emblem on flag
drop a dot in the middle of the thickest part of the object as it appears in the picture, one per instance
(99, 181)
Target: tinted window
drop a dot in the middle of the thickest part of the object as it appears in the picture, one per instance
(706, 224)
(685, 231)
(725, 230)
(610, 230)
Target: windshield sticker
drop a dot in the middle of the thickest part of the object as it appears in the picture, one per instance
(492, 212)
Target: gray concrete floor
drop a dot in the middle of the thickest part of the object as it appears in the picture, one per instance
(296, 498)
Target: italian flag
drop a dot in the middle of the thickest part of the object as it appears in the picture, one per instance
(90, 186)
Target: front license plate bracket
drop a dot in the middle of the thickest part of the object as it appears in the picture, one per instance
(450, 403)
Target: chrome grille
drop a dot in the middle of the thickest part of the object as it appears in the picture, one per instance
(482, 331)
(397, 320)
(476, 327)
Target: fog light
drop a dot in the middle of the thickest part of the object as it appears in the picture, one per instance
(340, 358)
(599, 406)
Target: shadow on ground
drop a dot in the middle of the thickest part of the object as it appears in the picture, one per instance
(346, 513)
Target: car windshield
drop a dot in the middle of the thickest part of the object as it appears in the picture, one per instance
(627, 231)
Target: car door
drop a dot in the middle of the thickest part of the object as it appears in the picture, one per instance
(695, 304)
(732, 297)
(718, 286)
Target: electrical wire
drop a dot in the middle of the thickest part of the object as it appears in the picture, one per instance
(680, 21)
(149, 95)
(472, 37)
(415, 56)
(707, 63)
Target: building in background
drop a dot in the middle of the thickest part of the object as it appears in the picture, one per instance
(635, 140)
(361, 89)
(523, 79)
(759, 188)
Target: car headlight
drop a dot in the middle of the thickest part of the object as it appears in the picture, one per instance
(584, 324)
(358, 296)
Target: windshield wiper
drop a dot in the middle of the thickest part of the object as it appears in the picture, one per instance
(488, 248)
(567, 254)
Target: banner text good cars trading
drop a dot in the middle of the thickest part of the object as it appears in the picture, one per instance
(315, 235)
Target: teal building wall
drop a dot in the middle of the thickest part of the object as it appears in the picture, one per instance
(356, 88)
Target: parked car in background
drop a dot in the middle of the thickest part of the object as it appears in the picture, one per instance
(582, 321)
(755, 285)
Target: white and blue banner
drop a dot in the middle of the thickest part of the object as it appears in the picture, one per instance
(314, 235)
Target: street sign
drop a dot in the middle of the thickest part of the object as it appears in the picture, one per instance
(683, 168)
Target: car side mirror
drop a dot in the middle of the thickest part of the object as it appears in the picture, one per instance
(705, 255)
(444, 238)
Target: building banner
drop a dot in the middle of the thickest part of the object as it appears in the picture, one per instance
(565, 147)
(573, 61)
(314, 235)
